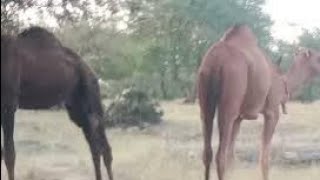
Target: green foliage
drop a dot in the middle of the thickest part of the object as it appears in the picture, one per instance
(62, 12)
(109, 52)
(179, 32)
(132, 107)
(310, 39)
(9, 16)
(161, 43)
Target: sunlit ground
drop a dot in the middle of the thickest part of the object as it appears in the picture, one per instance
(50, 147)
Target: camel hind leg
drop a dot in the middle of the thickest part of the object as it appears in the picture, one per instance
(270, 122)
(233, 90)
(94, 133)
(208, 100)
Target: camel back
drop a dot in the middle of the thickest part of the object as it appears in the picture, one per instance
(241, 33)
(39, 38)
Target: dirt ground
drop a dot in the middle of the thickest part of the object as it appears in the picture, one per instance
(50, 147)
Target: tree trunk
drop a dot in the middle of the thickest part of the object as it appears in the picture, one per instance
(192, 95)
(162, 86)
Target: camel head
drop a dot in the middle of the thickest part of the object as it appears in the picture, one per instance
(305, 67)
(308, 60)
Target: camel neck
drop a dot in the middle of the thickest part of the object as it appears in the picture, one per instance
(295, 82)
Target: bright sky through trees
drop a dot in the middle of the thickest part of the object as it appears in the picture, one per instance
(291, 16)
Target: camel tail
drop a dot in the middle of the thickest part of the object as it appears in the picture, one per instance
(208, 94)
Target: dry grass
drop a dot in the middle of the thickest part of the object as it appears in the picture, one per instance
(50, 147)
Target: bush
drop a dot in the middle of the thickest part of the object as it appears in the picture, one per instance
(58, 107)
(104, 89)
(132, 107)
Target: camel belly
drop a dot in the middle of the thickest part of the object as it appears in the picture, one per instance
(44, 88)
(253, 105)
(41, 98)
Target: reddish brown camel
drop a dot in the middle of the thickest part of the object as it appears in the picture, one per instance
(37, 72)
(238, 79)
(306, 66)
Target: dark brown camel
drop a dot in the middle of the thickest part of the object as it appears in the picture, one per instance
(37, 72)
(238, 79)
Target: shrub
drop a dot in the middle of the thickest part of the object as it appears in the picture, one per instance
(132, 107)
(57, 107)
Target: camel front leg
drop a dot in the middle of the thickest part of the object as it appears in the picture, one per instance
(8, 129)
(270, 121)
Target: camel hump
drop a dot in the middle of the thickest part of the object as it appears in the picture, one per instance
(39, 37)
(240, 34)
